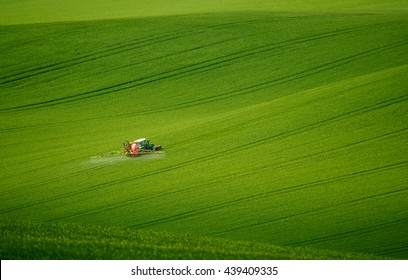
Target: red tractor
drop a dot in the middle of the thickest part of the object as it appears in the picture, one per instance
(140, 147)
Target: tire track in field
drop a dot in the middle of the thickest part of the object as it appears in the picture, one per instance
(338, 93)
(339, 117)
(395, 251)
(77, 60)
(265, 168)
(54, 180)
(358, 231)
(233, 176)
(199, 67)
(109, 51)
(243, 174)
(21, 42)
(317, 124)
(251, 121)
(260, 86)
(278, 81)
(35, 185)
(251, 198)
(35, 71)
(213, 208)
(312, 212)
(219, 154)
(178, 53)
(105, 52)
(240, 174)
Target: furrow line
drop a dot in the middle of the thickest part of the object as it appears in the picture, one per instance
(403, 250)
(77, 61)
(251, 198)
(315, 211)
(109, 50)
(41, 38)
(234, 149)
(232, 176)
(274, 82)
(308, 156)
(48, 181)
(261, 118)
(358, 231)
(177, 72)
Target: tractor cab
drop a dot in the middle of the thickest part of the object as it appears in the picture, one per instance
(144, 144)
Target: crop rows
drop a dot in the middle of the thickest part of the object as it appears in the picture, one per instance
(281, 128)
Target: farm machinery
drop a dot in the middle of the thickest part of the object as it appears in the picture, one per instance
(140, 147)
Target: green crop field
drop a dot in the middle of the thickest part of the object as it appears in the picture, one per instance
(284, 126)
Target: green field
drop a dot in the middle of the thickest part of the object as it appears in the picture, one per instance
(26, 240)
(284, 126)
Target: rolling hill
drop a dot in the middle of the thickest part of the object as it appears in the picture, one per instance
(282, 124)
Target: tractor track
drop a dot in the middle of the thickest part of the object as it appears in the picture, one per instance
(217, 62)
(84, 59)
(257, 119)
(181, 165)
(394, 251)
(34, 185)
(251, 198)
(272, 130)
(314, 211)
(246, 199)
(215, 65)
(343, 148)
(110, 50)
(358, 231)
(5, 47)
(252, 144)
(278, 81)
(307, 127)
(397, 133)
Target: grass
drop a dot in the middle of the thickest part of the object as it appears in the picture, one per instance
(62, 241)
(21, 12)
(283, 126)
